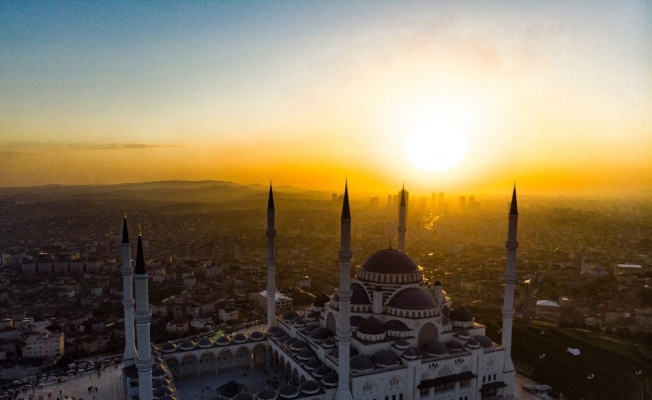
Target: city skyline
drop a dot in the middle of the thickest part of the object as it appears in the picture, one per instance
(551, 95)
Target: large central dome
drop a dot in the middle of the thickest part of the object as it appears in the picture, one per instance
(389, 261)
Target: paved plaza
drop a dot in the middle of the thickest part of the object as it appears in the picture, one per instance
(107, 385)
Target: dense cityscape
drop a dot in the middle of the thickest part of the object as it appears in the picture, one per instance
(583, 264)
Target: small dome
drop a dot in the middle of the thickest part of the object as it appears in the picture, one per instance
(256, 336)
(484, 341)
(390, 261)
(359, 295)
(310, 387)
(239, 338)
(312, 316)
(186, 345)
(288, 391)
(461, 314)
(361, 363)
(396, 325)
(329, 343)
(288, 341)
(290, 315)
(320, 334)
(299, 323)
(243, 396)
(410, 354)
(463, 334)
(402, 344)
(321, 371)
(205, 342)
(473, 344)
(321, 300)
(273, 329)
(434, 348)
(222, 341)
(168, 347)
(266, 394)
(412, 298)
(385, 358)
(454, 346)
(371, 326)
(313, 364)
(159, 371)
(305, 355)
(330, 380)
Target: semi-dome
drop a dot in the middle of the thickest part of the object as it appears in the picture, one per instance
(359, 295)
(412, 298)
(461, 314)
(389, 261)
(371, 326)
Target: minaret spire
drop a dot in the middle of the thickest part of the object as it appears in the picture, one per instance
(128, 297)
(343, 324)
(143, 317)
(508, 307)
(271, 260)
(402, 217)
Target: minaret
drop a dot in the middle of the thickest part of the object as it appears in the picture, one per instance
(402, 216)
(128, 297)
(271, 261)
(508, 308)
(143, 316)
(343, 324)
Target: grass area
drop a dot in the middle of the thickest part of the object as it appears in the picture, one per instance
(611, 363)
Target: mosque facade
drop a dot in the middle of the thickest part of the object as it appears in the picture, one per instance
(383, 335)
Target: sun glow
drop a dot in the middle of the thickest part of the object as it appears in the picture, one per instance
(436, 146)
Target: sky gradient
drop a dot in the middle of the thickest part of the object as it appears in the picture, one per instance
(555, 95)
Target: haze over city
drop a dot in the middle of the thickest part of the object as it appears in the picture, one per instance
(442, 95)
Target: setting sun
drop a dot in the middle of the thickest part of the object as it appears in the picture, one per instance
(436, 147)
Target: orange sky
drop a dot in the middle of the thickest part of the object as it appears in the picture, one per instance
(555, 96)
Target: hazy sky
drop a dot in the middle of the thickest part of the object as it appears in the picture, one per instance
(553, 94)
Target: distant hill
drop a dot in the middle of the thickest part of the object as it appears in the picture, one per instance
(163, 191)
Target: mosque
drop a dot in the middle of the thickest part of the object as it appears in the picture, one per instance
(383, 335)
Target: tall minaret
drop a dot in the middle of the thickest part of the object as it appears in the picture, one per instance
(271, 261)
(343, 323)
(143, 316)
(508, 308)
(402, 216)
(128, 297)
